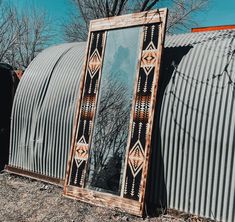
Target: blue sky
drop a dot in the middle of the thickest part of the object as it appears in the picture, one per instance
(58, 11)
(218, 12)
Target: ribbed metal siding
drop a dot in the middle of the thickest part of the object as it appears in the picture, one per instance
(197, 126)
(194, 140)
(43, 111)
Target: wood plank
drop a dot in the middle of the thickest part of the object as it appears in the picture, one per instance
(104, 200)
(135, 19)
(33, 175)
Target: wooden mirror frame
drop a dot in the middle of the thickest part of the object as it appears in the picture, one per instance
(132, 196)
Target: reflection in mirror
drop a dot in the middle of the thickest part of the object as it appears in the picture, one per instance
(111, 127)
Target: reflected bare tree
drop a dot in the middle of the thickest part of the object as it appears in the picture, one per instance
(110, 136)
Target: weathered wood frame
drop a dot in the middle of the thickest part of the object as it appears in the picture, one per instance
(135, 207)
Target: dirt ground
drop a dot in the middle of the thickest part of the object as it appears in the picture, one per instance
(23, 199)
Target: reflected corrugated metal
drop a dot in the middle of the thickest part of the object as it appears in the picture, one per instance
(193, 150)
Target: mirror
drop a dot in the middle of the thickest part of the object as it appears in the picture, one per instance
(109, 139)
(110, 151)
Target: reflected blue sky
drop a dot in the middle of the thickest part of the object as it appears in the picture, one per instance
(121, 55)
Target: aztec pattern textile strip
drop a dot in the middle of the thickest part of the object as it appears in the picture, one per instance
(140, 119)
(87, 109)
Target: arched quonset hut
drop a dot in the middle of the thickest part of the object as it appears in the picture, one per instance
(193, 165)
(195, 126)
(8, 84)
(43, 112)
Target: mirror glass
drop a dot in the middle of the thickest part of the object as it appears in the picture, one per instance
(111, 127)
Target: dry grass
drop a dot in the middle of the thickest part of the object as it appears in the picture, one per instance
(23, 199)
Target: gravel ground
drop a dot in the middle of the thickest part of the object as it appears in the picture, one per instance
(23, 199)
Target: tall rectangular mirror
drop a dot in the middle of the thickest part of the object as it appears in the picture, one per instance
(111, 126)
(110, 150)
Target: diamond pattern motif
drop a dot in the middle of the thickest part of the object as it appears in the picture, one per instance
(149, 57)
(81, 149)
(136, 158)
(94, 63)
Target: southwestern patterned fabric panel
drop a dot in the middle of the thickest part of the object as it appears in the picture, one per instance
(137, 146)
(87, 109)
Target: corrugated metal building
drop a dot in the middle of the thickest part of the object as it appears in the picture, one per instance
(44, 109)
(193, 167)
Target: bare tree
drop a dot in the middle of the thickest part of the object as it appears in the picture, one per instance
(180, 16)
(9, 31)
(35, 37)
(23, 34)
